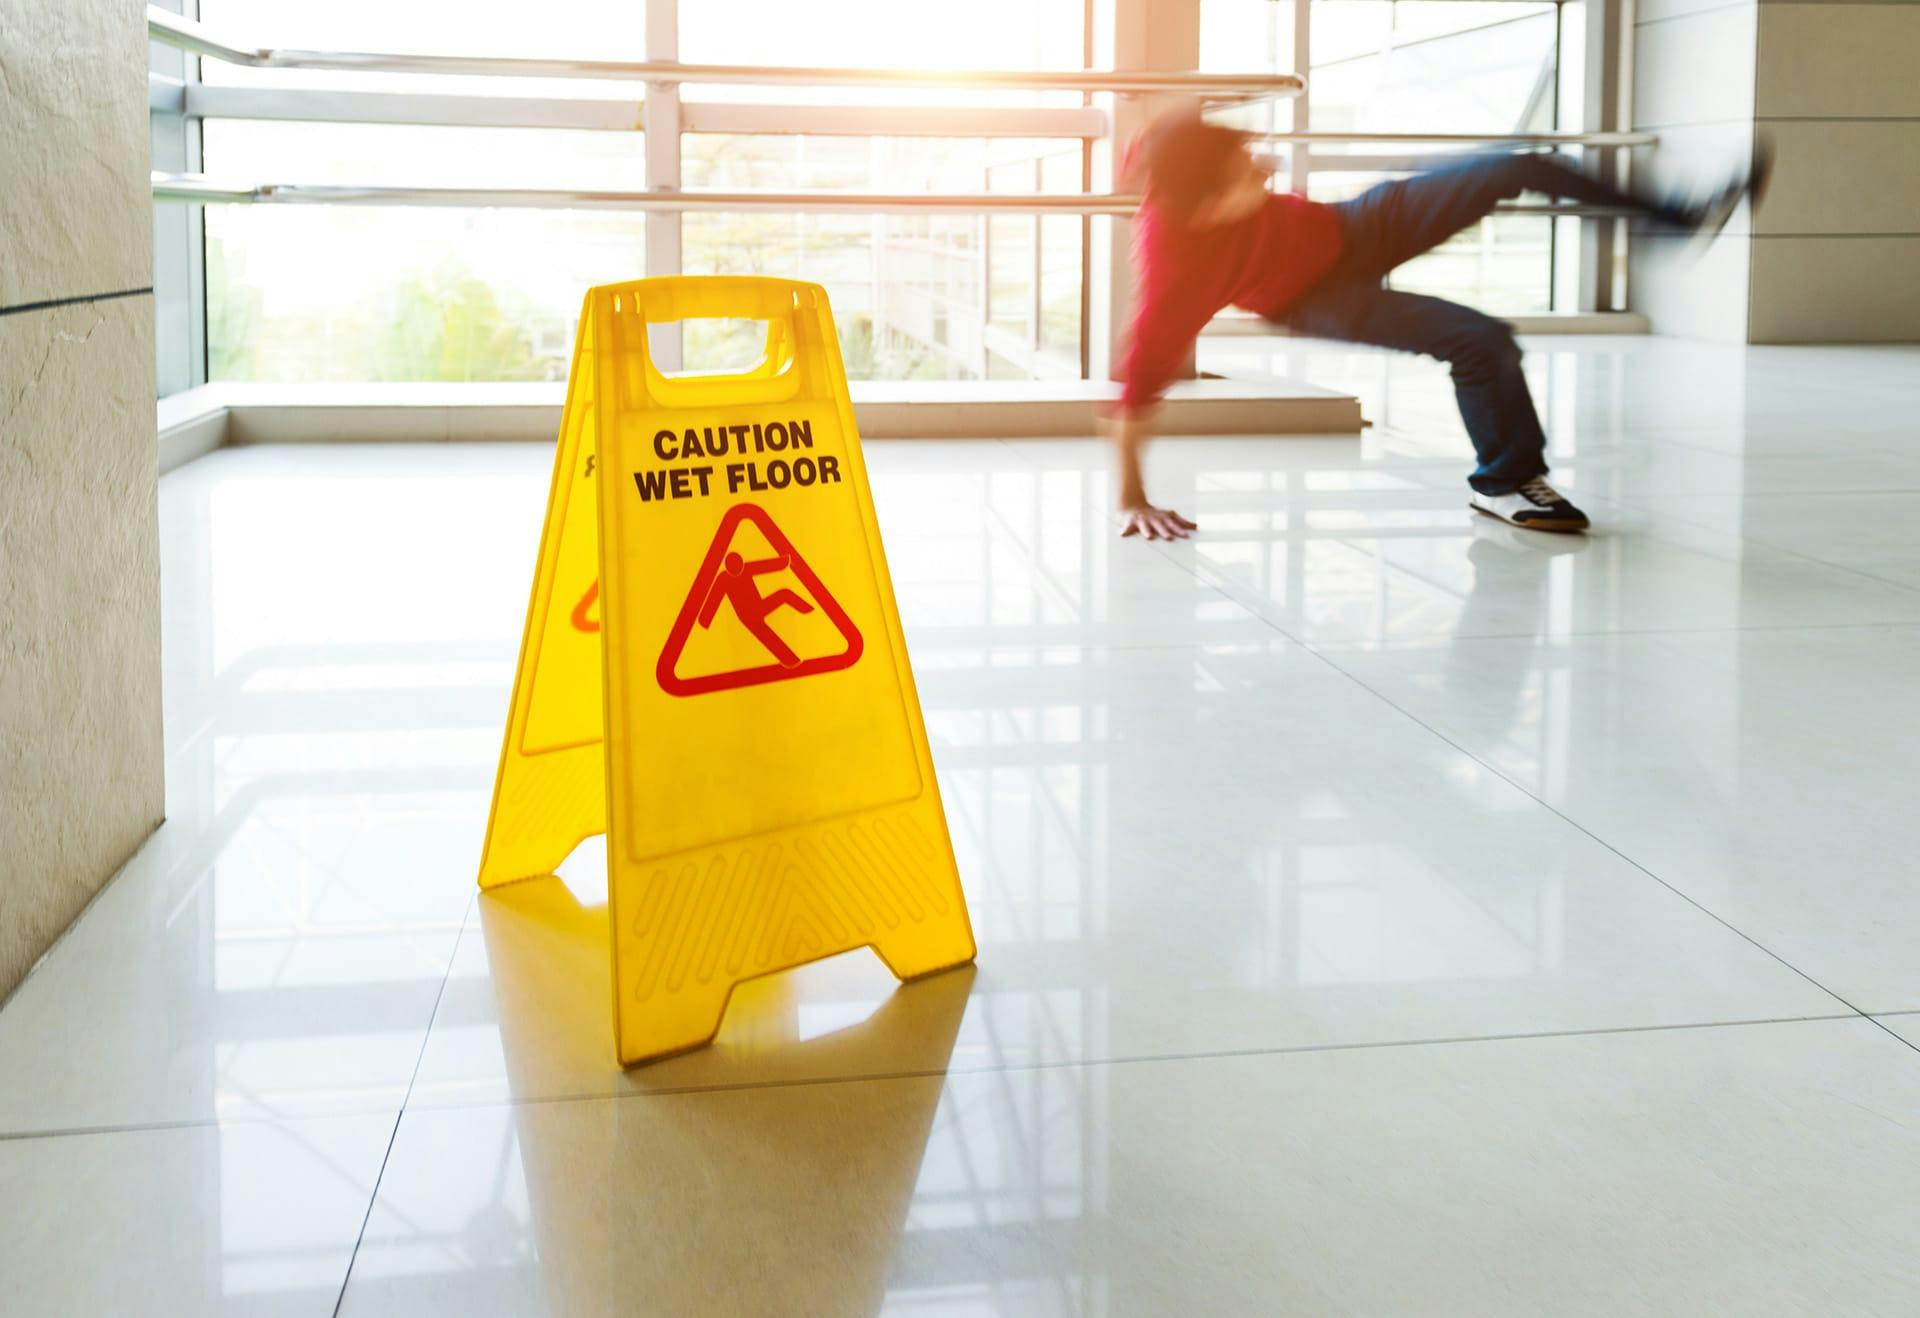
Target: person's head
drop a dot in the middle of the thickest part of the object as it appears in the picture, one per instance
(733, 563)
(1199, 172)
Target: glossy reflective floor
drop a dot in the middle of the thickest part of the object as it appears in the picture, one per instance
(1379, 911)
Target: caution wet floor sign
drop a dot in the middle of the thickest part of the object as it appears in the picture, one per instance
(713, 673)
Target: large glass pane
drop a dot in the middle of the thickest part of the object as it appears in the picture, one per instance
(400, 155)
(984, 34)
(599, 29)
(1455, 66)
(352, 293)
(555, 29)
(1062, 266)
(1398, 66)
(911, 293)
(1252, 36)
(356, 293)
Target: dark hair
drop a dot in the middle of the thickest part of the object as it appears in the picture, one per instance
(1184, 160)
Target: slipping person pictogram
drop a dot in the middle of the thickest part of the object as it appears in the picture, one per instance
(728, 577)
(736, 585)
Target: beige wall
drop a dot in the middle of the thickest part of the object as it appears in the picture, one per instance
(1833, 253)
(1836, 249)
(80, 747)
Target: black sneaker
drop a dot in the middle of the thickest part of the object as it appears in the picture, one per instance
(1535, 506)
(1709, 218)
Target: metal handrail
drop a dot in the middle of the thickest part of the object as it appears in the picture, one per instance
(325, 105)
(1462, 139)
(198, 188)
(189, 35)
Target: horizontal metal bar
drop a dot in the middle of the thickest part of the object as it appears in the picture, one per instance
(1568, 208)
(1399, 162)
(165, 95)
(1239, 324)
(182, 33)
(196, 188)
(753, 117)
(1462, 139)
(221, 101)
(290, 104)
(173, 30)
(193, 187)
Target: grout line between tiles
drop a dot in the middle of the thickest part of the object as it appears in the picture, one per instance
(1139, 1059)
(1898, 1037)
(426, 1036)
(1329, 660)
(1628, 501)
(1440, 640)
(1005, 1068)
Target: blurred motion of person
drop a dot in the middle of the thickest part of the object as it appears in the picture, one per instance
(1209, 235)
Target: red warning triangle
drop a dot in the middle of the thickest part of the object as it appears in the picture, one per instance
(727, 579)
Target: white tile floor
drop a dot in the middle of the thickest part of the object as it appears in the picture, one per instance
(1379, 912)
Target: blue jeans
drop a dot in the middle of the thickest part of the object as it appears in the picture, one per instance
(1401, 219)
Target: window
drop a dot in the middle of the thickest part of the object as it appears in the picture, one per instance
(491, 293)
(351, 293)
(1385, 66)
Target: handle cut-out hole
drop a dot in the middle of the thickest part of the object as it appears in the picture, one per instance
(712, 347)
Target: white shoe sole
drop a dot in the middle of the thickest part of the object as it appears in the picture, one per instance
(1558, 525)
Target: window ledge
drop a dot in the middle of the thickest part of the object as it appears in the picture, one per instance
(1546, 322)
(202, 419)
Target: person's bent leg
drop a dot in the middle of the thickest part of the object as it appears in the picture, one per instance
(1485, 361)
(764, 633)
(1510, 481)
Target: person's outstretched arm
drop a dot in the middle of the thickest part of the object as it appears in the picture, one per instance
(1163, 332)
(1138, 516)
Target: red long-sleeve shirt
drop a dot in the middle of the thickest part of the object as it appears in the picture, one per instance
(1184, 275)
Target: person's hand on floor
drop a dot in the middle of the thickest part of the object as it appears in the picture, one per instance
(1154, 523)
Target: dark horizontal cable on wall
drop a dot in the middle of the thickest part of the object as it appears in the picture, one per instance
(73, 301)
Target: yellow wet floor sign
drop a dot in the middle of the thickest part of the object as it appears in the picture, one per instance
(713, 673)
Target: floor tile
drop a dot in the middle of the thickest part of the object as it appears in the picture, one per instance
(1756, 1170)
(1165, 852)
(1907, 1026)
(1675, 479)
(272, 980)
(1753, 771)
(333, 705)
(1356, 568)
(241, 1219)
(1007, 555)
(1869, 530)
